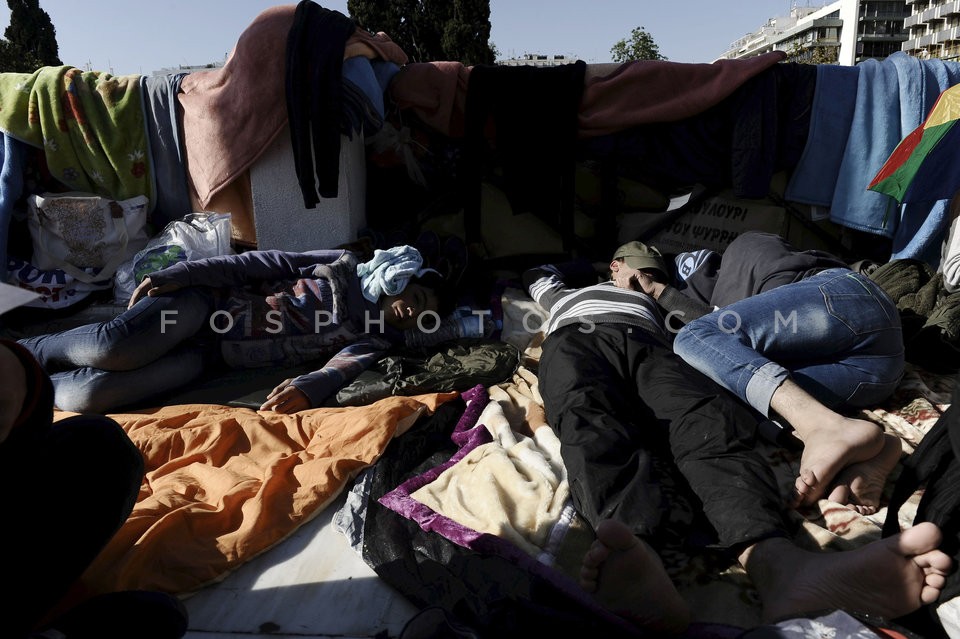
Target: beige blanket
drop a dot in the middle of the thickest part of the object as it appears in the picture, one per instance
(515, 486)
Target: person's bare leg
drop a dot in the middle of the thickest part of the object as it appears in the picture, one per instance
(889, 577)
(831, 442)
(627, 577)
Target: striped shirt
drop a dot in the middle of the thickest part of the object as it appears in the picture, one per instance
(602, 303)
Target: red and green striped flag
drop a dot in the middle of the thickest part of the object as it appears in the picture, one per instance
(925, 166)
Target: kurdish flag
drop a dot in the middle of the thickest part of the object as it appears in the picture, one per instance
(925, 166)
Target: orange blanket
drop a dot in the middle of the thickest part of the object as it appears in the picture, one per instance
(224, 484)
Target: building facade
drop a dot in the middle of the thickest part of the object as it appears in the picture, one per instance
(537, 60)
(843, 32)
(933, 28)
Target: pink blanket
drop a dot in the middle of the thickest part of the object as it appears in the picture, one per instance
(615, 96)
(436, 92)
(647, 91)
(231, 114)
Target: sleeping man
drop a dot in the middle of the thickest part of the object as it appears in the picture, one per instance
(798, 336)
(617, 396)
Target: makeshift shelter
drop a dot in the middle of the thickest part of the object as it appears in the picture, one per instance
(315, 134)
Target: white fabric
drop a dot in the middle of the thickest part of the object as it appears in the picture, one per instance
(836, 625)
(949, 613)
(950, 258)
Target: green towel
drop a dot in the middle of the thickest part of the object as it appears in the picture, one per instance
(90, 125)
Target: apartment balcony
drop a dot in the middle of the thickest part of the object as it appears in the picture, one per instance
(939, 12)
(911, 21)
(829, 22)
(946, 35)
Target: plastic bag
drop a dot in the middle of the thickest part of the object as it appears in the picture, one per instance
(463, 322)
(195, 236)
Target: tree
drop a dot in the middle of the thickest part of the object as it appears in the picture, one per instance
(812, 55)
(431, 30)
(640, 46)
(30, 40)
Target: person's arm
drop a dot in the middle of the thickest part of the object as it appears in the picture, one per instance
(27, 389)
(313, 389)
(242, 268)
(680, 308)
(234, 270)
(551, 282)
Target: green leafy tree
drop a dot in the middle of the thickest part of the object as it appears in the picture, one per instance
(812, 55)
(431, 30)
(639, 46)
(30, 41)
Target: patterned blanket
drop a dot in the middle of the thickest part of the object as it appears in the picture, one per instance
(90, 125)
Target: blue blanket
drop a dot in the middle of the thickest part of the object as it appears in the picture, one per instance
(11, 188)
(815, 176)
(893, 98)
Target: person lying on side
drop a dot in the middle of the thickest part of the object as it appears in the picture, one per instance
(797, 335)
(253, 309)
(618, 398)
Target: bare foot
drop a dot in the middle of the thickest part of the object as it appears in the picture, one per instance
(889, 577)
(860, 485)
(831, 448)
(627, 577)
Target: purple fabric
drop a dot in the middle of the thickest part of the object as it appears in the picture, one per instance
(468, 434)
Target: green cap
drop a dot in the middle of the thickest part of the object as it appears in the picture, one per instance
(640, 256)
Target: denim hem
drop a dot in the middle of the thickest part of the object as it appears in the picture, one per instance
(763, 384)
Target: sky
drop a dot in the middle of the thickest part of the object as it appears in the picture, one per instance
(123, 37)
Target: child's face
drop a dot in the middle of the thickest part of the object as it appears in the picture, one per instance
(401, 311)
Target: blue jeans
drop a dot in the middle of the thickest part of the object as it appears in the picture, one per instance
(836, 334)
(145, 351)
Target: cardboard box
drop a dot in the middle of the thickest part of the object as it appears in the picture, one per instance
(713, 222)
